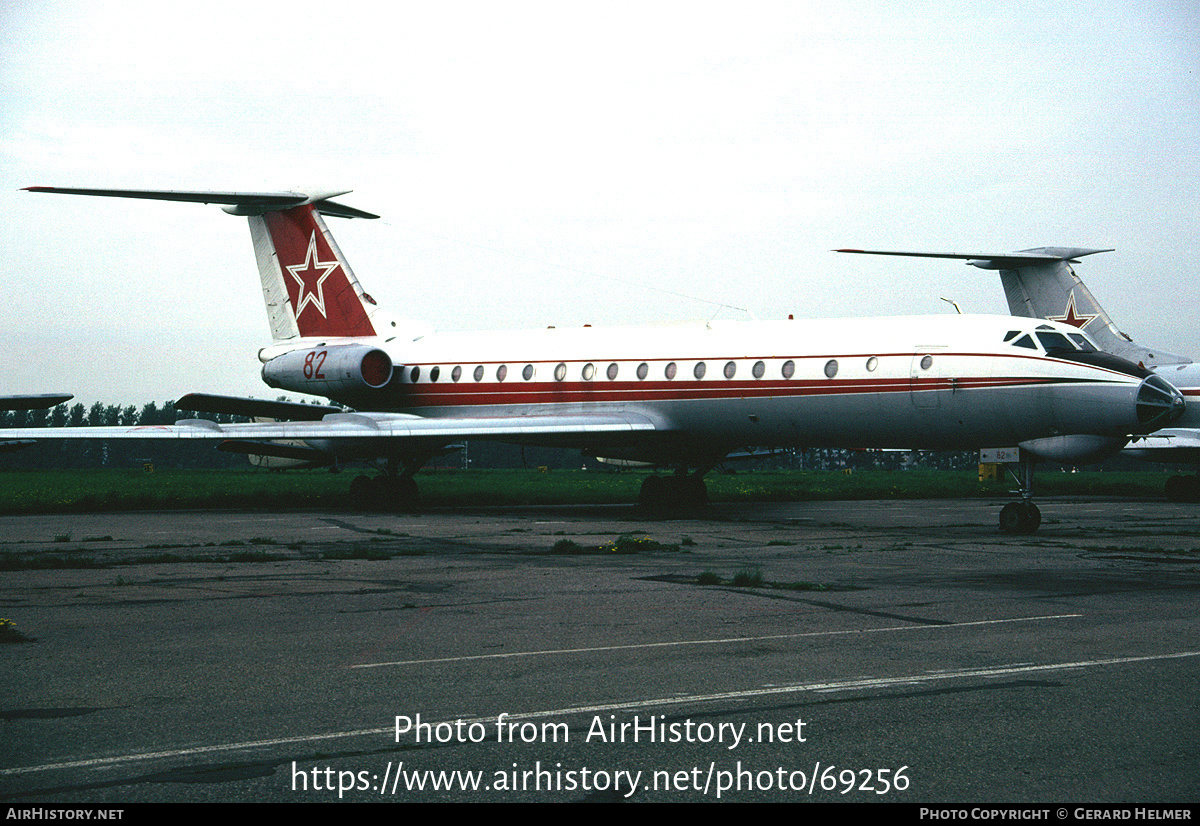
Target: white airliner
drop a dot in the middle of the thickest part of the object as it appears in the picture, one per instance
(680, 396)
(1040, 283)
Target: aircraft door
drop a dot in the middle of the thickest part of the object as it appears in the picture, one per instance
(926, 380)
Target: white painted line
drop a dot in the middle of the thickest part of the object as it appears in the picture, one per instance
(842, 685)
(152, 755)
(724, 641)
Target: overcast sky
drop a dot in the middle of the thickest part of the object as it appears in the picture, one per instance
(568, 163)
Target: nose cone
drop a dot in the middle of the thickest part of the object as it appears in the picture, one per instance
(1159, 404)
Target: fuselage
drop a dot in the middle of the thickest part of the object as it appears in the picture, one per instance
(949, 381)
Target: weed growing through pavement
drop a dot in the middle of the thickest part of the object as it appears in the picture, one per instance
(9, 632)
(624, 544)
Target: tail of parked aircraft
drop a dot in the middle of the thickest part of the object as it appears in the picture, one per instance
(1040, 283)
(309, 288)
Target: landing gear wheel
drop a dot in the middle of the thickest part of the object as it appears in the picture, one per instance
(394, 492)
(408, 492)
(694, 492)
(1020, 518)
(654, 492)
(1033, 517)
(361, 489)
(387, 493)
(1183, 489)
(673, 492)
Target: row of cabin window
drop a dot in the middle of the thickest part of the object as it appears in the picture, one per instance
(787, 370)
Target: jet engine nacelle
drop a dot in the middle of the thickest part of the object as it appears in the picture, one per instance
(1075, 450)
(331, 371)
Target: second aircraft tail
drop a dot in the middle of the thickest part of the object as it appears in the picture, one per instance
(1040, 283)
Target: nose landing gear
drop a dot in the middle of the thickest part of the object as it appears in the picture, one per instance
(1022, 517)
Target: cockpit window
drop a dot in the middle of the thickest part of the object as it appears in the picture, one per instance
(1025, 341)
(1011, 334)
(1054, 341)
(1082, 340)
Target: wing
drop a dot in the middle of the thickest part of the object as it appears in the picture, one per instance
(361, 426)
(41, 401)
(1178, 445)
(254, 408)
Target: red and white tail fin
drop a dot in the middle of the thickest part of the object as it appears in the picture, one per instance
(308, 287)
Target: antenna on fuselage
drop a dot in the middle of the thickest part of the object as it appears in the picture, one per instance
(955, 303)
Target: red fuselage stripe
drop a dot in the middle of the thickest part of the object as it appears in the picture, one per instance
(520, 392)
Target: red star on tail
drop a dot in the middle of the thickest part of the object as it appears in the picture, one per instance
(310, 275)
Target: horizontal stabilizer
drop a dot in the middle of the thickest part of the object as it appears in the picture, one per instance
(42, 401)
(255, 408)
(997, 261)
(235, 203)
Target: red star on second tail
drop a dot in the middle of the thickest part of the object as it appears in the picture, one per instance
(1071, 316)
